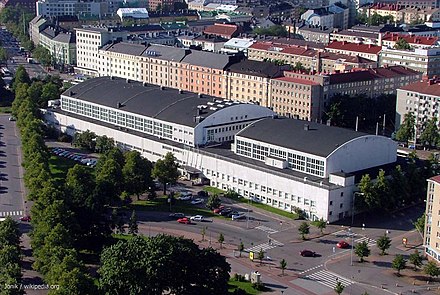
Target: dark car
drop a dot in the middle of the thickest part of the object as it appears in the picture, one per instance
(307, 253)
(202, 194)
(232, 213)
(25, 218)
(177, 215)
(225, 211)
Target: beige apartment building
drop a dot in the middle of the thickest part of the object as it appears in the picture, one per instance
(295, 97)
(121, 60)
(432, 222)
(88, 42)
(249, 81)
(426, 61)
(312, 59)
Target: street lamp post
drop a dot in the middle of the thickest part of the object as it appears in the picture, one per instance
(351, 252)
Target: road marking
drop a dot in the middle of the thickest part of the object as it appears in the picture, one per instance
(11, 213)
(370, 242)
(343, 233)
(329, 279)
(267, 229)
(264, 246)
(310, 269)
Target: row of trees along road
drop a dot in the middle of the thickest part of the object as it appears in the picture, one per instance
(10, 272)
(72, 216)
(430, 136)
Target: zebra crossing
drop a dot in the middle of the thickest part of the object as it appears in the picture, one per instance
(370, 242)
(310, 269)
(267, 229)
(11, 213)
(329, 279)
(264, 246)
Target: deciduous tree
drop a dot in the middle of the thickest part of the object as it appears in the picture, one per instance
(166, 170)
(362, 250)
(398, 263)
(416, 259)
(304, 229)
(405, 132)
(383, 243)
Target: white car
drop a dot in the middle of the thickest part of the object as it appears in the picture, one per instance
(196, 201)
(185, 198)
(197, 218)
(238, 216)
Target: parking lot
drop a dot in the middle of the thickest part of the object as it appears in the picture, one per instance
(75, 156)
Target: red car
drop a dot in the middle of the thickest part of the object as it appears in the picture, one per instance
(307, 253)
(25, 218)
(342, 244)
(219, 209)
(184, 220)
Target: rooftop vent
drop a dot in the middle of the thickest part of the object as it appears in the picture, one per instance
(213, 108)
(145, 84)
(112, 78)
(162, 87)
(72, 93)
(127, 80)
(200, 95)
(119, 105)
(180, 91)
(306, 127)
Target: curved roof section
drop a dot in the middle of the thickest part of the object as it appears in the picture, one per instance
(317, 139)
(148, 100)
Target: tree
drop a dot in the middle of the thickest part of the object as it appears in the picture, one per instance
(50, 91)
(213, 202)
(320, 224)
(339, 288)
(221, 239)
(430, 135)
(164, 264)
(276, 30)
(137, 173)
(85, 140)
(304, 229)
(132, 224)
(399, 263)
(283, 266)
(431, 269)
(241, 248)
(381, 190)
(42, 55)
(362, 250)
(104, 144)
(21, 76)
(166, 170)
(383, 243)
(368, 198)
(402, 44)
(260, 256)
(108, 181)
(203, 233)
(3, 55)
(405, 133)
(419, 224)
(416, 259)
(120, 226)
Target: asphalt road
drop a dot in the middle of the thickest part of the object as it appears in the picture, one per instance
(11, 185)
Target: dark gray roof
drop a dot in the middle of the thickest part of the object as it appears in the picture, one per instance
(319, 139)
(207, 59)
(151, 101)
(65, 37)
(257, 68)
(166, 52)
(125, 48)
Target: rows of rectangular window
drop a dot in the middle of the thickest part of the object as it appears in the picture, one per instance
(295, 161)
(119, 118)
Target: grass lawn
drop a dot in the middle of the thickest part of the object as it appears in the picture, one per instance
(6, 110)
(213, 190)
(59, 167)
(161, 204)
(274, 210)
(245, 286)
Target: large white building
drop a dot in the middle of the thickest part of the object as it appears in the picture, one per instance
(284, 163)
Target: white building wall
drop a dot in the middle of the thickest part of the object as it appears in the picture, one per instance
(362, 153)
(263, 185)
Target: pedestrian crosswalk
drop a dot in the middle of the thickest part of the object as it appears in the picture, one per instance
(310, 269)
(267, 229)
(329, 279)
(264, 246)
(11, 213)
(370, 242)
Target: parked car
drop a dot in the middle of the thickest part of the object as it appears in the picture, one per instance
(25, 218)
(197, 218)
(307, 253)
(185, 198)
(11, 118)
(177, 215)
(342, 245)
(218, 210)
(232, 213)
(225, 212)
(202, 194)
(239, 215)
(196, 201)
(184, 220)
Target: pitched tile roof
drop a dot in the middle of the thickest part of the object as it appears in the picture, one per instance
(221, 30)
(435, 179)
(354, 47)
(410, 39)
(371, 74)
(429, 87)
